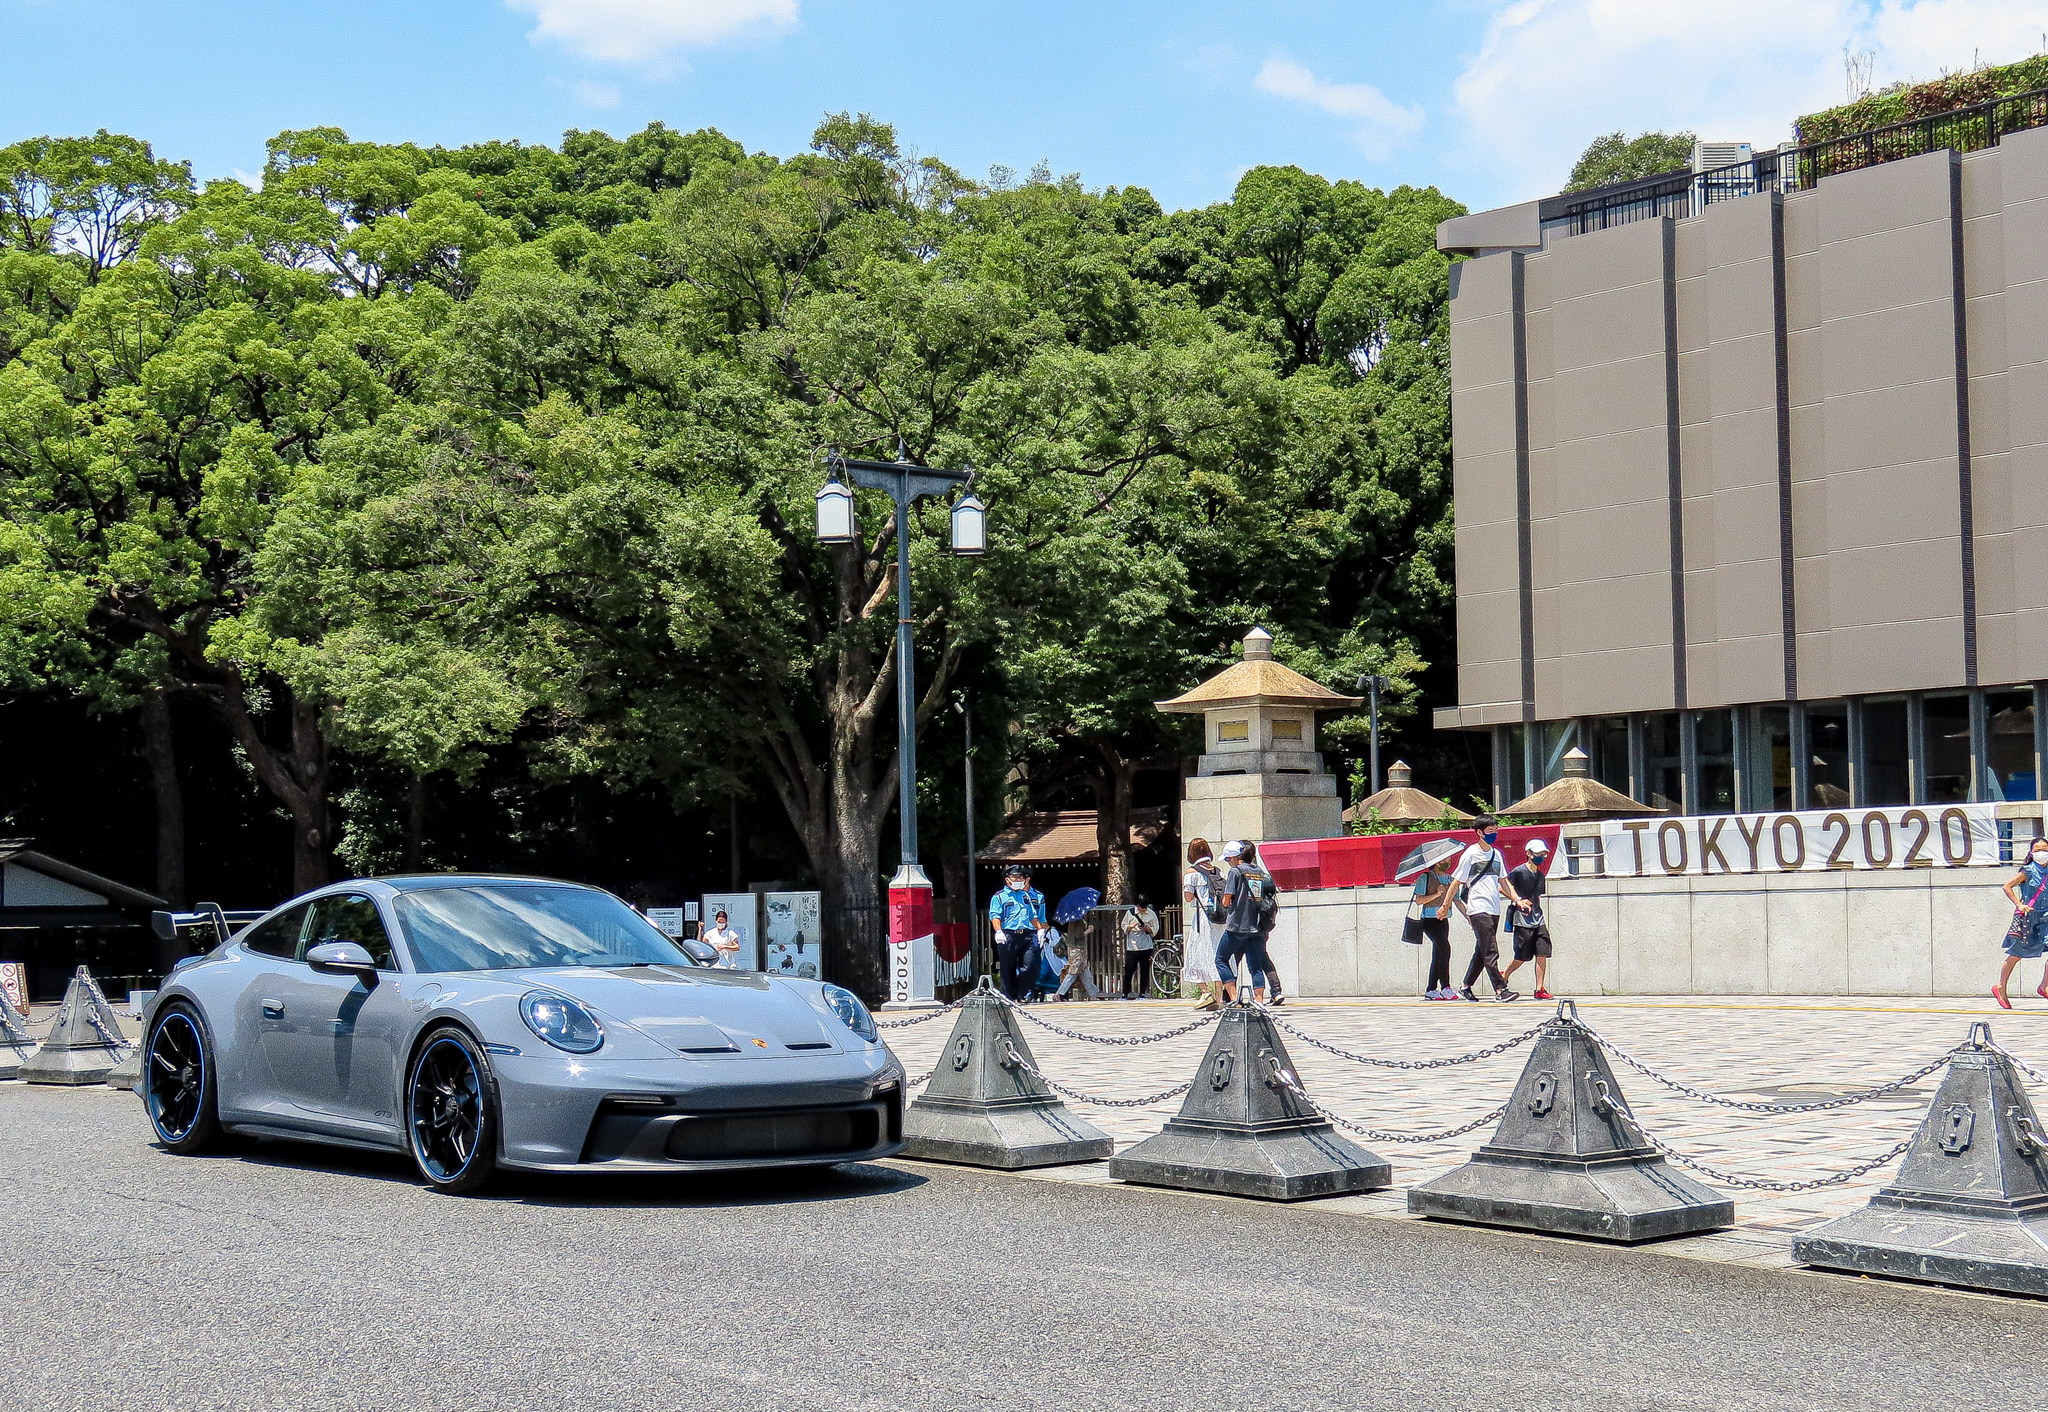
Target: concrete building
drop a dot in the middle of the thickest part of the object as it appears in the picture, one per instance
(1752, 482)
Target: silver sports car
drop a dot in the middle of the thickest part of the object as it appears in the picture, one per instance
(483, 1022)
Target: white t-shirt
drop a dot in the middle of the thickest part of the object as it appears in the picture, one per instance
(728, 943)
(1481, 868)
(1141, 927)
(1203, 887)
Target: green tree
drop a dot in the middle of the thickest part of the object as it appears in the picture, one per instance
(1618, 157)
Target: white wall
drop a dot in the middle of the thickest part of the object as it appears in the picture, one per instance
(1935, 932)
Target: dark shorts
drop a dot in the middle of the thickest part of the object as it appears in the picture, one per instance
(1531, 942)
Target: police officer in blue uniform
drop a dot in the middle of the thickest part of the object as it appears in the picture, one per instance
(1018, 915)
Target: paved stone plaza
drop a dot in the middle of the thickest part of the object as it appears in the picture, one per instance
(1764, 1049)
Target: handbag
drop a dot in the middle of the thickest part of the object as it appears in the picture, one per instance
(2020, 919)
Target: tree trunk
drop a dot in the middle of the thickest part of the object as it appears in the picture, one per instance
(1113, 820)
(159, 749)
(415, 820)
(296, 777)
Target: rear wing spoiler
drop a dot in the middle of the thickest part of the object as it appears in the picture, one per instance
(207, 914)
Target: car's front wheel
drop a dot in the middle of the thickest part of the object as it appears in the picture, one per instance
(178, 1082)
(451, 1106)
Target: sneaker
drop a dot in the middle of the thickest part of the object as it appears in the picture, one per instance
(1444, 993)
(1465, 993)
(1545, 995)
(1278, 999)
(1505, 996)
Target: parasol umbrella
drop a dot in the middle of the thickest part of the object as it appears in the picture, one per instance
(1074, 904)
(1429, 854)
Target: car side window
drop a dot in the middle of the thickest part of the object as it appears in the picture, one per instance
(349, 917)
(280, 935)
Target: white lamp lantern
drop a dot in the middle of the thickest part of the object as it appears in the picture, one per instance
(836, 524)
(970, 525)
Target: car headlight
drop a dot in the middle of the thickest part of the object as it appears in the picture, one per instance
(846, 1005)
(561, 1021)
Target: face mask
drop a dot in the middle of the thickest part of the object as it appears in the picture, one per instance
(1490, 835)
(2041, 856)
(1019, 885)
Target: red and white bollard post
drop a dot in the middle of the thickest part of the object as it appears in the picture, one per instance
(912, 954)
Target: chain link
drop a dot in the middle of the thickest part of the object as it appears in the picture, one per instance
(1621, 1110)
(1011, 1056)
(1701, 1095)
(2022, 1065)
(1293, 1085)
(1189, 1028)
(921, 1079)
(1503, 1047)
(921, 1019)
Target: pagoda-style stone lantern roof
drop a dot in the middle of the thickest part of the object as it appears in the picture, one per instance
(1401, 803)
(1259, 717)
(1577, 798)
(1259, 776)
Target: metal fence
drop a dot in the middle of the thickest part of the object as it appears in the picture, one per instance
(1100, 934)
(1686, 193)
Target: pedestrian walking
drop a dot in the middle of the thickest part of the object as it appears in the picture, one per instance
(1478, 888)
(1017, 915)
(725, 939)
(1251, 901)
(2027, 937)
(1201, 896)
(1528, 927)
(1077, 967)
(1141, 934)
(1429, 919)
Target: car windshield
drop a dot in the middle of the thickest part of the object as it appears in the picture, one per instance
(503, 926)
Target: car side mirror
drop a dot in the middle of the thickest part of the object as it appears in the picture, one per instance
(343, 958)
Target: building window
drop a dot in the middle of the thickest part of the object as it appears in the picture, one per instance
(1827, 741)
(1288, 731)
(1948, 749)
(1558, 737)
(1767, 772)
(1233, 730)
(1714, 737)
(1663, 762)
(1607, 752)
(1887, 757)
(2011, 771)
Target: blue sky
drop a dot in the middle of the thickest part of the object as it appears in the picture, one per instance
(1489, 101)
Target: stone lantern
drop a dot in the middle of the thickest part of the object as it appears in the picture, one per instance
(1260, 776)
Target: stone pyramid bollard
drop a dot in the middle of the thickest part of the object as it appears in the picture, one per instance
(84, 1042)
(15, 1044)
(983, 1110)
(128, 1073)
(1564, 1161)
(1244, 1132)
(1970, 1203)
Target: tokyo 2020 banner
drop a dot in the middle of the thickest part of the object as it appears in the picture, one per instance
(1919, 836)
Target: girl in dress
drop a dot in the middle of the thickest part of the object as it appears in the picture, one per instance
(2029, 934)
(1198, 886)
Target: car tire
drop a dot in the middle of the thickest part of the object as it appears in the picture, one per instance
(178, 1082)
(451, 1112)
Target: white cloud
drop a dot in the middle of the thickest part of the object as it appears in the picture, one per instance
(597, 95)
(649, 31)
(1381, 122)
(1551, 75)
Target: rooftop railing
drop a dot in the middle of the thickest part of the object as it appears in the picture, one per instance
(1687, 193)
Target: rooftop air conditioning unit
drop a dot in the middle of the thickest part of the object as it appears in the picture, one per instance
(1706, 156)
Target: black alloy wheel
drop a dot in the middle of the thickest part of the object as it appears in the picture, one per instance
(451, 1113)
(178, 1087)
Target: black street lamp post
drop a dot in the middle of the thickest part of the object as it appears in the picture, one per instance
(1372, 686)
(910, 891)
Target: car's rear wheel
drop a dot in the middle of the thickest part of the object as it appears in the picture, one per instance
(451, 1108)
(178, 1082)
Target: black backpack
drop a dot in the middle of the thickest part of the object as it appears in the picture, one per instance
(1209, 897)
(1269, 899)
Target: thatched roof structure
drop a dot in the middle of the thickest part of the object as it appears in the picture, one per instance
(1257, 680)
(1400, 802)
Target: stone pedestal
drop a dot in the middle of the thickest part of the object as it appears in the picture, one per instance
(1261, 808)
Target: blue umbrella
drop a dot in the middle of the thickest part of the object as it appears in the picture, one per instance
(1075, 903)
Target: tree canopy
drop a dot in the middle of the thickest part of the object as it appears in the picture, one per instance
(1618, 157)
(421, 458)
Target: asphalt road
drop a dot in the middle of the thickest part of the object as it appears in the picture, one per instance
(297, 1277)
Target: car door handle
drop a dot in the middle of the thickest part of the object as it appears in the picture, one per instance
(273, 1008)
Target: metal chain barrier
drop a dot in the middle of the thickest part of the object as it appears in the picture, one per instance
(1503, 1047)
(1605, 1101)
(921, 1019)
(1189, 1028)
(1293, 1085)
(1011, 1056)
(1702, 1096)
